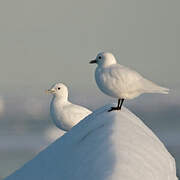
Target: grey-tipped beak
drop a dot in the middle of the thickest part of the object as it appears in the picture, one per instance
(93, 61)
(49, 91)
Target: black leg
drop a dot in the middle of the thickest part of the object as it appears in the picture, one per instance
(120, 102)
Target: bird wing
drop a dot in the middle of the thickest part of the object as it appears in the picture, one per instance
(131, 82)
(125, 79)
(76, 112)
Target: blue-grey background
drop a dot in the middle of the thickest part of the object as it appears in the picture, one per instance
(43, 42)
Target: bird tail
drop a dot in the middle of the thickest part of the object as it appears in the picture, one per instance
(153, 88)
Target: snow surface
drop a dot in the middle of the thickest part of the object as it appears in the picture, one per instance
(104, 146)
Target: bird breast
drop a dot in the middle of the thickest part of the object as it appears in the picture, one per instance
(59, 117)
(105, 82)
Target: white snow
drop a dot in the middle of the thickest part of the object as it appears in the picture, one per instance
(104, 146)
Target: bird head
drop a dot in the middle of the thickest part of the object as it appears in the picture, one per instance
(104, 59)
(59, 90)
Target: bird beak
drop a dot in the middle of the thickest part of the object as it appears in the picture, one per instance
(50, 91)
(93, 61)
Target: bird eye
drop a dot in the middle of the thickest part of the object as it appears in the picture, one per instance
(99, 57)
(59, 88)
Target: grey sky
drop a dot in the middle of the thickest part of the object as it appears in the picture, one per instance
(42, 42)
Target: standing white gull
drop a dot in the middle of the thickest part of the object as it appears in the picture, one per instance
(65, 114)
(121, 82)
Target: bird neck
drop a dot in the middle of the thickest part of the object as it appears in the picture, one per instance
(60, 99)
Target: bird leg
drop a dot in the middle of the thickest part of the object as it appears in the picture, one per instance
(122, 100)
(120, 103)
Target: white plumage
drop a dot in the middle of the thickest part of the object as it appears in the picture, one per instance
(121, 82)
(65, 114)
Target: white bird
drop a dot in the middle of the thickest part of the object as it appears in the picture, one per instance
(65, 114)
(121, 82)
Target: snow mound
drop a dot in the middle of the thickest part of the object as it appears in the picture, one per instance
(104, 146)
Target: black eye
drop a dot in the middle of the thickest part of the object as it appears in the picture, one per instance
(59, 88)
(99, 57)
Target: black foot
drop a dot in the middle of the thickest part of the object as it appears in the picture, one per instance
(114, 109)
